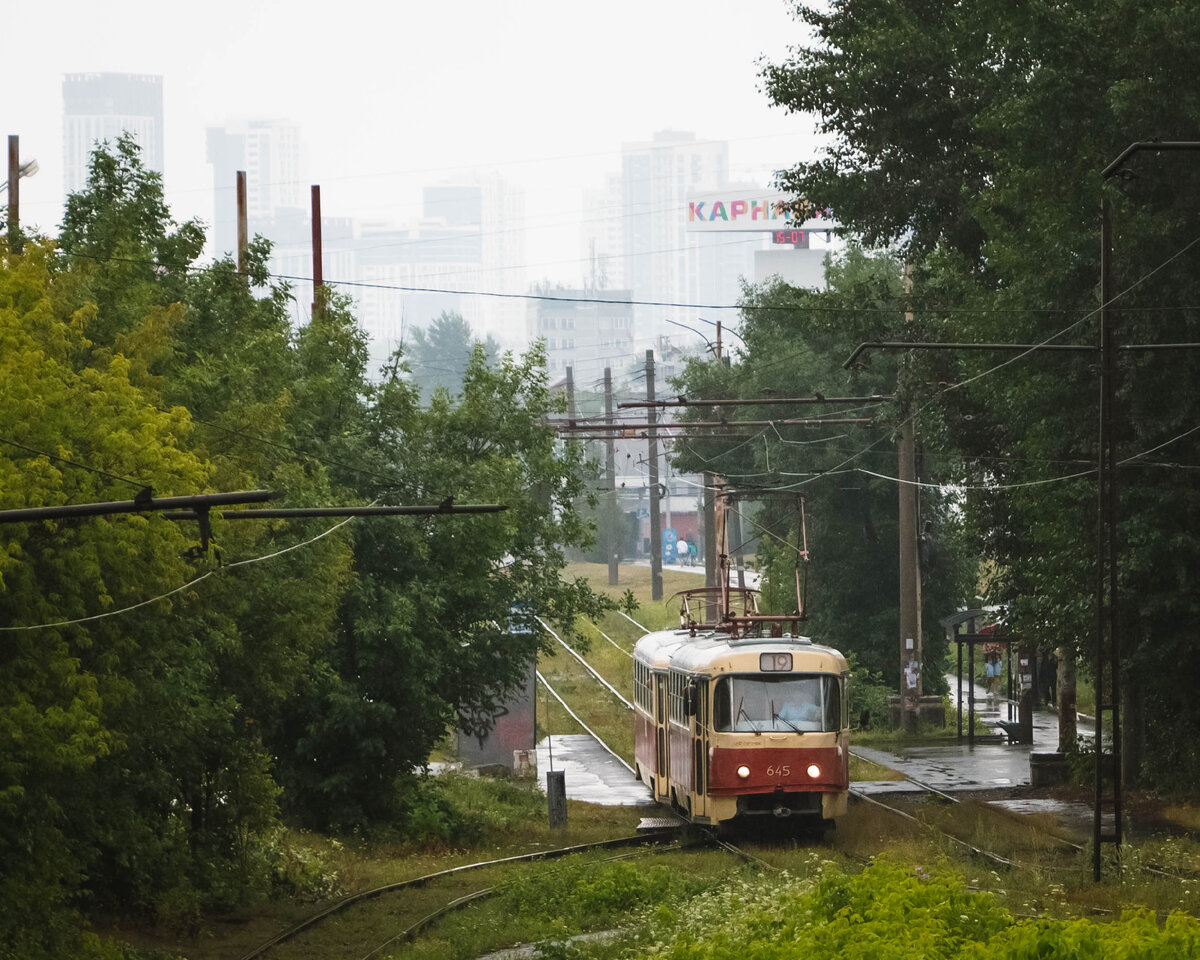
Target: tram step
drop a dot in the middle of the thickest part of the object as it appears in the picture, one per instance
(650, 824)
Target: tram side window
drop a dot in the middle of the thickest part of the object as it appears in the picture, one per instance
(833, 704)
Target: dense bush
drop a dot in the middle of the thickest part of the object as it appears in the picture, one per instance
(455, 811)
(896, 911)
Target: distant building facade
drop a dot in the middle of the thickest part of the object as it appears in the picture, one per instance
(582, 328)
(99, 107)
(271, 152)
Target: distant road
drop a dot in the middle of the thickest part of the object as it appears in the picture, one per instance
(753, 578)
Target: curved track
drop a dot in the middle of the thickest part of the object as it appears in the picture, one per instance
(387, 888)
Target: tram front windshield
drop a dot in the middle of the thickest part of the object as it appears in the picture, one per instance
(786, 704)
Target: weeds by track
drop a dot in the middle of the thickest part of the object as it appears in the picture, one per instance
(349, 902)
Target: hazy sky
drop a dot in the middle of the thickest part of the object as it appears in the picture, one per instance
(390, 96)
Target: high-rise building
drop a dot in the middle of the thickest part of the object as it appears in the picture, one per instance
(662, 263)
(584, 329)
(272, 154)
(602, 235)
(99, 107)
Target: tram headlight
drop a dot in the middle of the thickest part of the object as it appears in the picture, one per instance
(814, 771)
(743, 771)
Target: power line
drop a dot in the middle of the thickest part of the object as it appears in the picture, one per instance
(71, 463)
(179, 589)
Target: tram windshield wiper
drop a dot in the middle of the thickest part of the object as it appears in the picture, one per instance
(741, 712)
(775, 716)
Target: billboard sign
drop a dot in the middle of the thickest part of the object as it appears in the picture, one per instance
(738, 211)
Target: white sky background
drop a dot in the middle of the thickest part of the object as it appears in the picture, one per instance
(392, 96)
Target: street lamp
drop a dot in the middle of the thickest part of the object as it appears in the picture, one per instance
(27, 169)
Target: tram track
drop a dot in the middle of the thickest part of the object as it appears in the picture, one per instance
(646, 840)
(974, 850)
(1067, 844)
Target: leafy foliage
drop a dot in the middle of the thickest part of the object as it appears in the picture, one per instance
(974, 135)
(892, 910)
(793, 345)
(309, 665)
(439, 355)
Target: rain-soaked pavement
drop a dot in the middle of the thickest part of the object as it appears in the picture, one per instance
(590, 773)
(959, 767)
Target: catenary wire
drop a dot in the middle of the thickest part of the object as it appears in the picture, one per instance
(170, 593)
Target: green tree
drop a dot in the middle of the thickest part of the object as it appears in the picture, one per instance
(440, 354)
(424, 639)
(75, 430)
(192, 792)
(976, 134)
(793, 343)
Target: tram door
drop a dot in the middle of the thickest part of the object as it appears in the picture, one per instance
(661, 780)
(700, 742)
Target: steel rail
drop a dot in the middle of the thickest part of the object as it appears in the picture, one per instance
(469, 898)
(586, 666)
(634, 622)
(350, 901)
(574, 716)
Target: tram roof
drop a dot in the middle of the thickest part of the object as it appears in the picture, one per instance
(655, 649)
(717, 652)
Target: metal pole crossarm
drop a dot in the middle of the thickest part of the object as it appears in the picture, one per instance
(297, 513)
(786, 421)
(751, 402)
(911, 345)
(141, 504)
(645, 434)
(1139, 145)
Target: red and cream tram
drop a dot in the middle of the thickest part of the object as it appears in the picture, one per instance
(738, 718)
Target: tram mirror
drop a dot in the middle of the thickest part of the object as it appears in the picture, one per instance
(689, 700)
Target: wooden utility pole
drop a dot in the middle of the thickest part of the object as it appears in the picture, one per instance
(656, 576)
(318, 278)
(243, 230)
(734, 522)
(711, 566)
(1106, 675)
(612, 530)
(14, 193)
(910, 571)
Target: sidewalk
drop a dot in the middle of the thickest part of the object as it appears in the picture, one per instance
(961, 766)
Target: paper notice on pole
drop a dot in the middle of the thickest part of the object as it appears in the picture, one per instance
(908, 643)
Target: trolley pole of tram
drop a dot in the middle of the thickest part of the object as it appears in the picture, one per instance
(656, 573)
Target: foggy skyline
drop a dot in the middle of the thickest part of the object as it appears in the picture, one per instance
(394, 97)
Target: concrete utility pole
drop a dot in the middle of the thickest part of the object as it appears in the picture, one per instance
(656, 577)
(710, 544)
(613, 531)
(243, 230)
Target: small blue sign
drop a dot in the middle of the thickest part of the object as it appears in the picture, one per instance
(669, 538)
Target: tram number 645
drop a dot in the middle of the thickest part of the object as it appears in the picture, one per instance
(782, 770)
